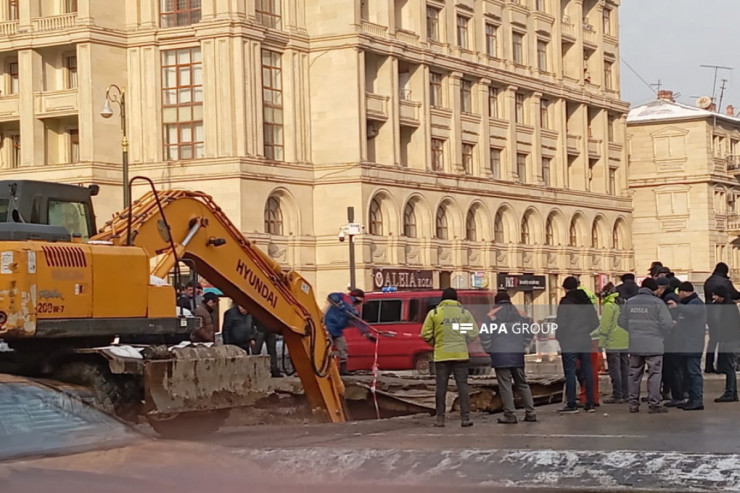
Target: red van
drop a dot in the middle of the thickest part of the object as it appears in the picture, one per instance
(402, 315)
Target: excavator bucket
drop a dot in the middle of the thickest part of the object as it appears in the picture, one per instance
(202, 378)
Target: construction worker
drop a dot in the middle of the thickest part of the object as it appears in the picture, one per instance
(342, 313)
(449, 328)
(206, 310)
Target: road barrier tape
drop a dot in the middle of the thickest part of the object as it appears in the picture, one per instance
(375, 380)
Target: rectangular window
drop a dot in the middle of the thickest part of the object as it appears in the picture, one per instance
(467, 157)
(70, 6)
(13, 75)
(518, 45)
(545, 113)
(540, 6)
(433, 23)
(493, 102)
(520, 108)
(466, 96)
(546, 163)
(542, 55)
(462, 32)
(521, 167)
(612, 181)
(70, 64)
(610, 128)
(13, 14)
(607, 21)
(74, 145)
(491, 40)
(272, 100)
(15, 150)
(495, 159)
(608, 82)
(182, 104)
(268, 13)
(435, 89)
(437, 155)
(179, 12)
(382, 311)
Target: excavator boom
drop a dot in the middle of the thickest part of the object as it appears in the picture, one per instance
(178, 225)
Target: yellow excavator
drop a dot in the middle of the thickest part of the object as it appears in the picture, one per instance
(70, 295)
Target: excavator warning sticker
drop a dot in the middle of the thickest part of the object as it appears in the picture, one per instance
(6, 260)
(31, 262)
(305, 288)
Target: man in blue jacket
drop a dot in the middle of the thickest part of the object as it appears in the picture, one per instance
(341, 314)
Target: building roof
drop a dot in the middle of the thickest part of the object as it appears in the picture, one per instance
(663, 110)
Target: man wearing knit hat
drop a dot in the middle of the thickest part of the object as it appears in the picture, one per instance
(576, 319)
(723, 318)
(647, 320)
(691, 329)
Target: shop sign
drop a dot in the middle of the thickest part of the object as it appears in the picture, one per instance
(403, 279)
(524, 282)
(479, 280)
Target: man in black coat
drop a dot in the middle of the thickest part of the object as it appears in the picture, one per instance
(576, 319)
(238, 328)
(724, 320)
(691, 329)
(720, 277)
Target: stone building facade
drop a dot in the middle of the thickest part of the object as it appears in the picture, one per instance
(473, 138)
(684, 163)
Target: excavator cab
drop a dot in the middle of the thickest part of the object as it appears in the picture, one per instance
(29, 202)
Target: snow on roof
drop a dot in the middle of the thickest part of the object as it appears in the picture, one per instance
(663, 109)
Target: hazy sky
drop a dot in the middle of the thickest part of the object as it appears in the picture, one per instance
(668, 40)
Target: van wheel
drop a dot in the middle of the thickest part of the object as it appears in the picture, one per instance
(422, 364)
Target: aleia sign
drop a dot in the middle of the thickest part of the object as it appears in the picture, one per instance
(403, 279)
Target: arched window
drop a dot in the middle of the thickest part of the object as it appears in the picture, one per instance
(376, 218)
(525, 230)
(409, 221)
(573, 241)
(442, 232)
(549, 232)
(617, 236)
(595, 240)
(498, 228)
(273, 217)
(471, 231)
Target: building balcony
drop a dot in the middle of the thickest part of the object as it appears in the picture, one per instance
(573, 144)
(568, 29)
(374, 29)
(407, 37)
(377, 106)
(733, 165)
(733, 224)
(590, 35)
(8, 28)
(9, 108)
(56, 103)
(409, 112)
(54, 22)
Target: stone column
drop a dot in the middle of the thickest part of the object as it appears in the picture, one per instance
(30, 82)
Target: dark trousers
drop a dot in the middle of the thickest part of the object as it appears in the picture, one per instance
(674, 376)
(459, 369)
(727, 364)
(270, 338)
(569, 369)
(618, 364)
(510, 379)
(694, 378)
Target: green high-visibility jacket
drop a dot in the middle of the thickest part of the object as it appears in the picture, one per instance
(449, 328)
(612, 337)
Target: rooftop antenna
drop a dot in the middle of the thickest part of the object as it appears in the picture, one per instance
(657, 85)
(716, 69)
(722, 94)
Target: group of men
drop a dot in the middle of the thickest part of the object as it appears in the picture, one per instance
(660, 326)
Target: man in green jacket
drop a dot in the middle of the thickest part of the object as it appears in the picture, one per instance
(615, 340)
(449, 328)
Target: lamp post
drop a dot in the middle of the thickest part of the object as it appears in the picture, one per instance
(351, 229)
(114, 94)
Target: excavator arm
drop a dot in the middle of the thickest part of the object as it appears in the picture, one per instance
(183, 225)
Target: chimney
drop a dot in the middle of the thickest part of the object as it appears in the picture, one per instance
(713, 108)
(730, 110)
(667, 95)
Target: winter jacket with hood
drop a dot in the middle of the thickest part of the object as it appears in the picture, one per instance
(449, 328)
(238, 328)
(612, 337)
(506, 338)
(646, 319)
(691, 326)
(720, 278)
(576, 319)
(723, 318)
(628, 289)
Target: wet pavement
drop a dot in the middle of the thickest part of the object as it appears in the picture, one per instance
(610, 450)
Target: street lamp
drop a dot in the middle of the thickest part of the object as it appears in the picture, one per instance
(114, 94)
(350, 230)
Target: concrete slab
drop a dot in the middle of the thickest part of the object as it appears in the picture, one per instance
(610, 450)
